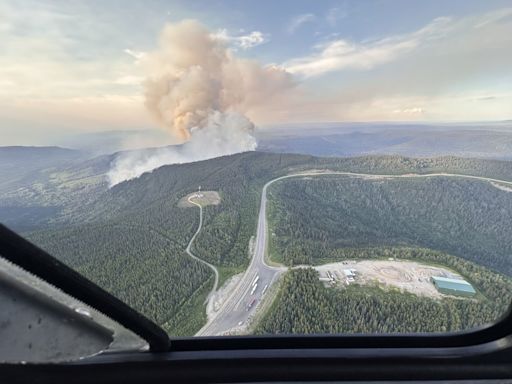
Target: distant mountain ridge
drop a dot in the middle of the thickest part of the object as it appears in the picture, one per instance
(30, 153)
(20, 162)
(413, 141)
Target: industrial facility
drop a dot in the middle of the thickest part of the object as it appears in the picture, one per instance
(456, 287)
(410, 276)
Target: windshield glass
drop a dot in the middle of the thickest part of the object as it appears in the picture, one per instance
(237, 168)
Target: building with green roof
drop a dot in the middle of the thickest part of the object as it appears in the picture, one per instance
(456, 287)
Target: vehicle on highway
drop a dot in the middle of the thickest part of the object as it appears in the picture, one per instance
(250, 304)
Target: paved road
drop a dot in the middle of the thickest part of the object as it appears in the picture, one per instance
(211, 266)
(243, 302)
(237, 309)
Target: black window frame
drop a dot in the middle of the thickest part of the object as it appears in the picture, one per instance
(482, 353)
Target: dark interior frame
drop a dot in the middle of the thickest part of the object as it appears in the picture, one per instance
(484, 353)
(26, 255)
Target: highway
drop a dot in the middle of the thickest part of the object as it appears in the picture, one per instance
(236, 311)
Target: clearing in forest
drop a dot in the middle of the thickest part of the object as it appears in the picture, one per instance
(204, 198)
(405, 275)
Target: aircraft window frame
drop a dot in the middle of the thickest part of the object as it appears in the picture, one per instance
(481, 354)
(36, 261)
(32, 259)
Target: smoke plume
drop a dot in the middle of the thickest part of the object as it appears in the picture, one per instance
(200, 93)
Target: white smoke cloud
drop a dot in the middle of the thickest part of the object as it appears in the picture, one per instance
(224, 133)
(199, 92)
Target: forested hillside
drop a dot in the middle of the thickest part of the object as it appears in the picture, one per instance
(133, 236)
(305, 306)
(459, 223)
(316, 219)
(130, 239)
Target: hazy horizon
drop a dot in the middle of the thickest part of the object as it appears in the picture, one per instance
(68, 68)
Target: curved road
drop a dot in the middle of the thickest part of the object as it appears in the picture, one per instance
(237, 309)
(211, 266)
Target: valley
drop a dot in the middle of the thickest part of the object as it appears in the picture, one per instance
(132, 239)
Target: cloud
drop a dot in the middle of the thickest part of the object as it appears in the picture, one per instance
(461, 42)
(385, 106)
(450, 69)
(62, 64)
(252, 40)
(299, 20)
(484, 98)
(247, 41)
(334, 15)
(493, 17)
(129, 80)
(50, 51)
(409, 111)
(340, 54)
(135, 54)
(70, 115)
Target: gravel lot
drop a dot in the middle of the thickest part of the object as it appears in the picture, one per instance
(407, 276)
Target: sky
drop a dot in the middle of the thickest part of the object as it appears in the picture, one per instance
(71, 67)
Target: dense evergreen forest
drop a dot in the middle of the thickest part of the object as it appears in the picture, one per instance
(305, 306)
(131, 238)
(315, 220)
(459, 223)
